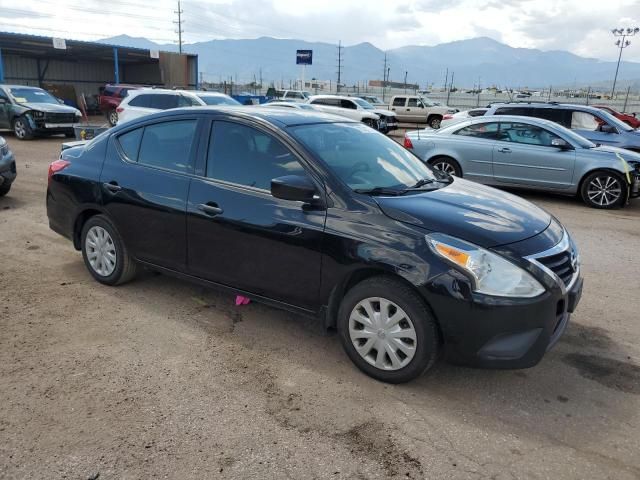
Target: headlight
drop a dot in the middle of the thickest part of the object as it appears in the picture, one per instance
(37, 114)
(491, 273)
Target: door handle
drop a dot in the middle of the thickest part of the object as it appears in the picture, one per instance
(505, 150)
(211, 209)
(408, 109)
(113, 187)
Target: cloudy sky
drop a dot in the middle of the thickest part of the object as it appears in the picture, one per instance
(580, 26)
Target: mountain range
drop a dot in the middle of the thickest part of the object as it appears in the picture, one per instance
(478, 60)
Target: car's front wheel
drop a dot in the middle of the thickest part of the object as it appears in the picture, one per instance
(4, 189)
(21, 129)
(604, 189)
(105, 254)
(387, 330)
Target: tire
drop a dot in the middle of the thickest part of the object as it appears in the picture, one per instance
(370, 123)
(447, 165)
(604, 189)
(434, 122)
(112, 117)
(117, 268)
(21, 128)
(4, 189)
(418, 322)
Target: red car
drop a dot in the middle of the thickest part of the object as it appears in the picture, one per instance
(630, 120)
(110, 97)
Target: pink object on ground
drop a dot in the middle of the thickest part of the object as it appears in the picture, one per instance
(240, 300)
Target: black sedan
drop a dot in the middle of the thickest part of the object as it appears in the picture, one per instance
(325, 217)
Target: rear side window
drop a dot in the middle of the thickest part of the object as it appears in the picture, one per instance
(130, 143)
(143, 101)
(168, 145)
(520, 111)
(399, 101)
(246, 156)
(488, 131)
(164, 101)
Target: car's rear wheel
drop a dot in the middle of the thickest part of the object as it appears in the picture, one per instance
(387, 330)
(604, 189)
(435, 122)
(4, 189)
(447, 165)
(105, 254)
(112, 117)
(21, 129)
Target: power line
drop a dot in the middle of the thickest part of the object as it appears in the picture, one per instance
(180, 30)
(339, 65)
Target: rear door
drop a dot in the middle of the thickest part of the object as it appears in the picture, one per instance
(399, 105)
(416, 112)
(144, 186)
(239, 234)
(524, 155)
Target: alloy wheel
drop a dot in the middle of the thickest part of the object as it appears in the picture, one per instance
(113, 118)
(101, 251)
(20, 129)
(382, 333)
(604, 190)
(445, 167)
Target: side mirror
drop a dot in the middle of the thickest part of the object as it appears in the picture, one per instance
(294, 187)
(606, 128)
(60, 101)
(561, 143)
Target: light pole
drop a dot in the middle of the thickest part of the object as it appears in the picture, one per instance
(621, 43)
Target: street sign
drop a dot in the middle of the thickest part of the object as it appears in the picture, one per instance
(304, 57)
(59, 43)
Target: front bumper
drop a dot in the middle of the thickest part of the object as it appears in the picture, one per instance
(503, 333)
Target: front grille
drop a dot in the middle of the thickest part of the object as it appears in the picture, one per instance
(59, 118)
(562, 260)
(560, 264)
(4, 150)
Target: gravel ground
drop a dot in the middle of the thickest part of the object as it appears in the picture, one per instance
(163, 379)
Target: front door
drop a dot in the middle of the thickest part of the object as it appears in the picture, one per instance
(241, 236)
(590, 126)
(524, 155)
(145, 183)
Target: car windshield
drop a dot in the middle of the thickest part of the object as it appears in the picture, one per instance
(611, 120)
(32, 95)
(361, 157)
(218, 100)
(364, 104)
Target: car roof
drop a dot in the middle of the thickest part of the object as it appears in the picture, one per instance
(30, 87)
(281, 117)
(509, 118)
(203, 92)
(562, 106)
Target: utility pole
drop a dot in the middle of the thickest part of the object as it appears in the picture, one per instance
(446, 79)
(180, 31)
(260, 79)
(622, 43)
(405, 81)
(384, 75)
(340, 47)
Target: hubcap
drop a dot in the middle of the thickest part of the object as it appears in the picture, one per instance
(382, 333)
(604, 190)
(19, 129)
(445, 167)
(101, 251)
(435, 124)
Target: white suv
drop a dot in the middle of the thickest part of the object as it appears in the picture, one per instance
(146, 101)
(356, 109)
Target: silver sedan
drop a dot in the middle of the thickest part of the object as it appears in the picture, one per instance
(525, 152)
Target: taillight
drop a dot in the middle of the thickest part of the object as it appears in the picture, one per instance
(407, 142)
(119, 109)
(447, 117)
(57, 166)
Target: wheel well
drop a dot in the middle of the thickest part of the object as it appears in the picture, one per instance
(79, 223)
(357, 277)
(584, 177)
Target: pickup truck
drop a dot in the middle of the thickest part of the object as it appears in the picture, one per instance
(417, 109)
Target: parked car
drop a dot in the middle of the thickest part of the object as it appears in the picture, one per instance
(215, 98)
(372, 99)
(413, 109)
(629, 119)
(8, 170)
(140, 103)
(356, 109)
(293, 95)
(590, 122)
(451, 118)
(523, 152)
(293, 105)
(110, 98)
(32, 111)
(325, 217)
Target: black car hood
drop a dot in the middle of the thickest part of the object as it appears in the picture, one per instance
(49, 107)
(470, 211)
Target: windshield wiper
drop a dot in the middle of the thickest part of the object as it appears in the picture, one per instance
(422, 182)
(378, 191)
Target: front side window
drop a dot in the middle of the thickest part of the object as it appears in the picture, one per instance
(487, 131)
(413, 102)
(585, 121)
(247, 156)
(399, 101)
(187, 101)
(361, 157)
(168, 145)
(526, 134)
(348, 104)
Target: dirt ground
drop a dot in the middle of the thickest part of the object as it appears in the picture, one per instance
(163, 379)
